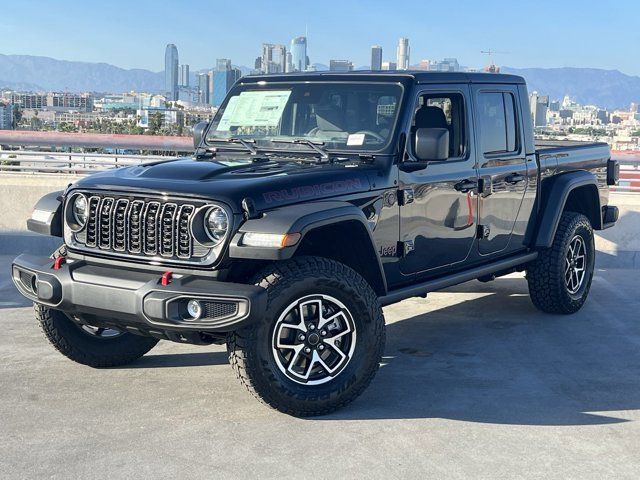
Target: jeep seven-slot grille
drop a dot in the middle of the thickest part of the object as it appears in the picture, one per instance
(140, 227)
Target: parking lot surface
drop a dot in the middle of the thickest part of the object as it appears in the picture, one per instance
(475, 384)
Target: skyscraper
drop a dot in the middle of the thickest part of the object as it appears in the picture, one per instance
(222, 79)
(376, 58)
(402, 55)
(183, 79)
(539, 105)
(203, 88)
(171, 72)
(273, 59)
(299, 61)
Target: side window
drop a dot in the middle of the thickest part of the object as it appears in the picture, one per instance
(442, 111)
(498, 127)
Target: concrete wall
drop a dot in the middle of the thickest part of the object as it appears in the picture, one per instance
(618, 246)
(18, 196)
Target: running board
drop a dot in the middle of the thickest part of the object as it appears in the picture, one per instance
(456, 278)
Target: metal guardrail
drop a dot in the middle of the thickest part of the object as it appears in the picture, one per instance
(72, 163)
(30, 162)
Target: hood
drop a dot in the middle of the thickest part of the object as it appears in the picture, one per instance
(230, 180)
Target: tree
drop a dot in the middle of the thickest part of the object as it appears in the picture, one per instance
(155, 123)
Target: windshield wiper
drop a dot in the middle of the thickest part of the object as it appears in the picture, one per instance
(245, 143)
(324, 155)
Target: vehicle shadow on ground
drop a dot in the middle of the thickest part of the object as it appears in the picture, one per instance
(495, 359)
(165, 360)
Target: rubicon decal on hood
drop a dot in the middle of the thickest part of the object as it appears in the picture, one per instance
(311, 191)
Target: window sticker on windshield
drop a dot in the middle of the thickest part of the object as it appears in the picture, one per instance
(254, 109)
(355, 139)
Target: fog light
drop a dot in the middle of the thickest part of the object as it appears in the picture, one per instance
(194, 309)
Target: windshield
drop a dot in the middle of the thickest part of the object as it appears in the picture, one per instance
(340, 116)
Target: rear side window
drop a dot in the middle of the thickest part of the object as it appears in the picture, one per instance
(498, 127)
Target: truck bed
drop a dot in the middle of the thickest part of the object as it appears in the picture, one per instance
(559, 156)
(547, 145)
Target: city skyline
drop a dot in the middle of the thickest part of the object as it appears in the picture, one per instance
(580, 34)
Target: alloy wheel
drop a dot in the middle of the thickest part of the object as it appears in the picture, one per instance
(314, 339)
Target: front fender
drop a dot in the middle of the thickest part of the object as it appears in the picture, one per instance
(300, 218)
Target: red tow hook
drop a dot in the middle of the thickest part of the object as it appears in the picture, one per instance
(58, 262)
(166, 279)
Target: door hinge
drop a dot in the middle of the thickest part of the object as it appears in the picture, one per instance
(485, 186)
(483, 231)
(405, 248)
(405, 196)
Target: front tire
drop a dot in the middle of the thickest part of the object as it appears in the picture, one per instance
(560, 278)
(96, 347)
(320, 342)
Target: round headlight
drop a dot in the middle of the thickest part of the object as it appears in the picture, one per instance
(79, 210)
(216, 224)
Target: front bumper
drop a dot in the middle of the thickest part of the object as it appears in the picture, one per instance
(137, 300)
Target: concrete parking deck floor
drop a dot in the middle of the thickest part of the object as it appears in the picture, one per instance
(475, 384)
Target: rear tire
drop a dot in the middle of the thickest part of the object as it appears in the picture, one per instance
(560, 278)
(299, 361)
(86, 346)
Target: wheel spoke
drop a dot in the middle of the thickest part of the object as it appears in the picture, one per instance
(331, 343)
(294, 359)
(324, 321)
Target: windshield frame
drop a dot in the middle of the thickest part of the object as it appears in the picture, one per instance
(300, 147)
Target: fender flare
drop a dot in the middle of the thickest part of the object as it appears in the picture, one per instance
(300, 218)
(554, 194)
(46, 218)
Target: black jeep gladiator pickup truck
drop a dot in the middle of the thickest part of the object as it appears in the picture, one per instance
(311, 201)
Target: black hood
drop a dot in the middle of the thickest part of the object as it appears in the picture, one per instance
(269, 184)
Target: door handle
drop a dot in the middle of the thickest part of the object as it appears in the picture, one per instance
(466, 185)
(514, 178)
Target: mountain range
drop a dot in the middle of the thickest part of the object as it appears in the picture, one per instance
(605, 88)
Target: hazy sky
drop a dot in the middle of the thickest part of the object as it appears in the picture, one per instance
(133, 34)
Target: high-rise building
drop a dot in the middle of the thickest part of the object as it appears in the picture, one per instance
(340, 65)
(171, 72)
(54, 101)
(539, 105)
(446, 65)
(222, 79)
(203, 88)
(299, 58)
(223, 64)
(423, 65)
(183, 79)
(6, 116)
(273, 59)
(389, 66)
(376, 58)
(402, 54)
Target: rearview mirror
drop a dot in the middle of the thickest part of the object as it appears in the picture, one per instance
(198, 132)
(432, 144)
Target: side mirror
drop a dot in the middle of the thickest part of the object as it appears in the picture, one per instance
(432, 144)
(198, 131)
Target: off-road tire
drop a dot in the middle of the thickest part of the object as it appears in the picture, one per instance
(70, 340)
(545, 275)
(250, 352)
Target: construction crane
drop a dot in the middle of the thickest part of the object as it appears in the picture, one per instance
(492, 68)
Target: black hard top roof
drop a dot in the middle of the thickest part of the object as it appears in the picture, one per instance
(417, 76)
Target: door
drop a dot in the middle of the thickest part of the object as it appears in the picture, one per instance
(502, 167)
(438, 203)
